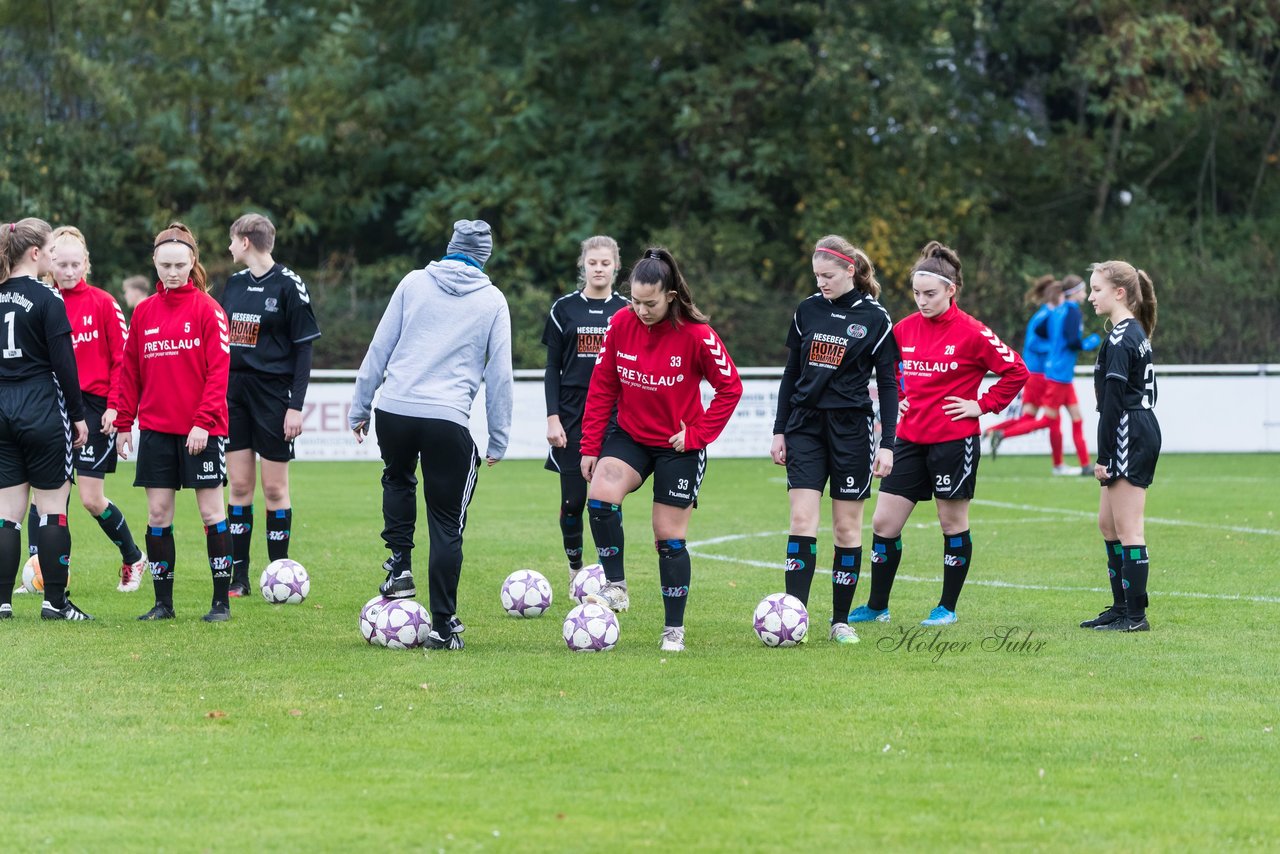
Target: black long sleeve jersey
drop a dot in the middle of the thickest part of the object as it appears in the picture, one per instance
(833, 345)
(573, 335)
(1124, 379)
(35, 339)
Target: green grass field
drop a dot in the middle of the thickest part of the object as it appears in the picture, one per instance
(283, 730)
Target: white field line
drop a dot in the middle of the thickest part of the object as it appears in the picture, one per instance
(981, 582)
(1151, 520)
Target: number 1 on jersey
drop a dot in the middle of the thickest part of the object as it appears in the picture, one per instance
(11, 350)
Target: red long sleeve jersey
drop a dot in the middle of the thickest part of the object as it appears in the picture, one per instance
(652, 373)
(948, 356)
(175, 368)
(98, 333)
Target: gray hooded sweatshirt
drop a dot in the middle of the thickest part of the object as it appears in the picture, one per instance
(446, 327)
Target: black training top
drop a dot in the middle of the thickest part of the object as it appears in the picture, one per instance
(272, 325)
(573, 335)
(35, 339)
(1124, 379)
(833, 346)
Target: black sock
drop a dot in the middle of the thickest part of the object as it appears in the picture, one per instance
(844, 581)
(802, 557)
(957, 554)
(33, 530)
(161, 553)
(1114, 564)
(217, 538)
(113, 524)
(1134, 572)
(54, 541)
(279, 523)
(240, 521)
(606, 530)
(571, 532)
(886, 554)
(10, 558)
(675, 572)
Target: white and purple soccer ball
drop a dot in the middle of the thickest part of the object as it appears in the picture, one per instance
(401, 624)
(369, 617)
(526, 593)
(588, 580)
(284, 582)
(781, 620)
(590, 628)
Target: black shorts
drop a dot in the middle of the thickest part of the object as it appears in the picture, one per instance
(163, 462)
(256, 404)
(97, 457)
(35, 435)
(831, 443)
(947, 470)
(677, 475)
(1137, 444)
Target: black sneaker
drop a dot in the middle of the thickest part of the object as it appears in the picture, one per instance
(67, 612)
(1126, 624)
(238, 590)
(434, 641)
(1106, 618)
(160, 612)
(219, 613)
(398, 586)
(6, 611)
(456, 626)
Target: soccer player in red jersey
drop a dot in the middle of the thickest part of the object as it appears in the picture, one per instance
(945, 355)
(573, 334)
(825, 425)
(651, 363)
(98, 333)
(41, 415)
(174, 383)
(1035, 352)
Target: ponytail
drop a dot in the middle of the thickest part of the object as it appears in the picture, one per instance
(1038, 293)
(835, 247)
(179, 233)
(16, 238)
(1146, 309)
(658, 267)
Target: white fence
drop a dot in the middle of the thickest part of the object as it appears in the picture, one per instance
(1202, 409)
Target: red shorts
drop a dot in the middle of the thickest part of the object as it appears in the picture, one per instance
(1033, 392)
(1057, 395)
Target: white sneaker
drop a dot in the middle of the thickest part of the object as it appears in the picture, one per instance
(612, 596)
(672, 639)
(131, 574)
(843, 633)
(1070, 471)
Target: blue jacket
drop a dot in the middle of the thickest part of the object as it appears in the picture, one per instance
(1065, 326)
(1035, 344)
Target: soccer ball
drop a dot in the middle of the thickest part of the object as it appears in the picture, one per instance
(369, 616)
(588, 580)
(284, 581)
(526, 593)
(32, 580)
(781, 620)
(590, 628)
(402, 624)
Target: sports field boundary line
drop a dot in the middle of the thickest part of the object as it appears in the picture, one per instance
(1151, 520)
(981, 582)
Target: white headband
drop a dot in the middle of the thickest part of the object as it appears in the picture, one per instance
(935, 275)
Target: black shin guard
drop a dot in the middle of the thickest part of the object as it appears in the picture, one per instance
(10, 558)
(802, 559)
(54, 542)
(845, 567)
(957, 555)
(1135, 570)
(1115, 565)
(279, 530)
(886, 554)
(113, 524)
(217, 539)
(240, 523)
(675, 572)
(161, 553)
(606, 530)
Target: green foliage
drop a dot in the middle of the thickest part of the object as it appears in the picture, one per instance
(736, 131)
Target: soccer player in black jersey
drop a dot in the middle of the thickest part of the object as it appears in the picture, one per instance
(824, 427)
(41, 415)
(272, 327)
(1124, 380)
(573, 335)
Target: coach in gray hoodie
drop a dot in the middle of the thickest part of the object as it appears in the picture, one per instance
(446, 328)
